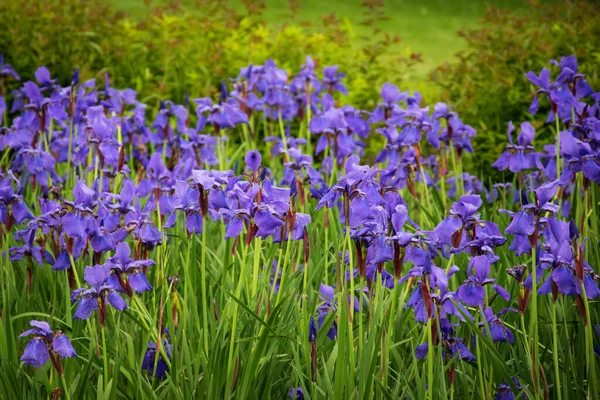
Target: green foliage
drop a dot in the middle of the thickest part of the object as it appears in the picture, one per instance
(175, 50)
(488, 85)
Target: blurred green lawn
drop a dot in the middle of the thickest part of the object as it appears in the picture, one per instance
(428, 27)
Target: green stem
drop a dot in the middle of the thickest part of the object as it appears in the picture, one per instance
(238, 290)
(555, 351)
(589, 347)
(74, 271)
(104, 356)
(283, 269)
(65, 387)
(257, 249)
(479, 362)
(203, 278)
(430, 358)
(534, 323)
(350, 303)
(282, 132)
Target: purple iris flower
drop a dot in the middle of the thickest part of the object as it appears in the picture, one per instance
(158, 177)
(210, 191)
(332, 80)
(425, 299)
(335, 133)
(123, 202)
(357, 190)
(505, 392)
(220, 116)
(456, 133)
(297, 168)
(306, 87)
(578, 156)
(116, 101)
(29, 248)
(13, 209)
(253, 160)
(7, 70)
(46, 345)
(452, 346)
(97, 297)
(42, 76)
(472, 291)
(391, 96)
(462, 223)
(150, 359)
(564, 93)
(525, 223)
(542, 81)
(79, 222)
(292, 143)
(126, 273)
(296, 394)
(38, 163)
(186, 199)
(327, 296)
(522, 156)
(498, 329)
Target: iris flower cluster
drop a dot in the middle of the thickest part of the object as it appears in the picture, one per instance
(92, 180)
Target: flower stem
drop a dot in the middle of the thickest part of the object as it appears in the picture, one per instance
(430, 360)
(104, 356)
(480, 361)
(533, 322)
(65, 387)
(283, 269)
(257, 248)
(282, 131)
(203, 278)
(555, 351)
(589, 347)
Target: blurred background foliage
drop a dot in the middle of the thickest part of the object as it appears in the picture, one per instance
(167, 50)
(487, 82)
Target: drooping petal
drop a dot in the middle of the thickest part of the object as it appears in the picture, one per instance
(234, 228)
(267, 223)
(421, 351)
(36, 353)
(565, 280)
(62, 345)
(447, 228)
(502, 292)
(523, 223)
(86, 305)
(139, 282)
(471, 295)
(116, 300)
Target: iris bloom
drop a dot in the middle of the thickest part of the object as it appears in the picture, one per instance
(522, 156)
(472, 291)
(46, 345)
(97, 297)
(126, 273)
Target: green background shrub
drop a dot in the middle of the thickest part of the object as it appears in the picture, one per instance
(487, 84)
(171, 51)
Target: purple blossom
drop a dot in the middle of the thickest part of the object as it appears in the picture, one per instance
(46, 345)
